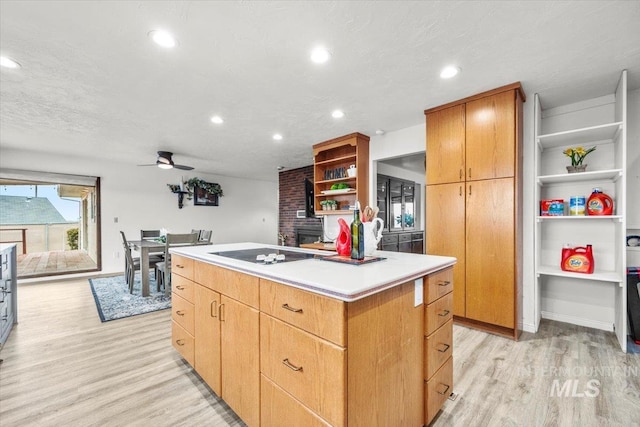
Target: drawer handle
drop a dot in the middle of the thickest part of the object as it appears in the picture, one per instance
(180, 312)
(446, 347)
(445, 390)
(286, 363)
(180, 288)
(295, 310)
(444, 313)
(212, 310)
(179, 266)
(444, 283)
(180, 342)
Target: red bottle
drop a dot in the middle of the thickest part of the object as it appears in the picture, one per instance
(599, 203)
(577, 260)
(343, 242)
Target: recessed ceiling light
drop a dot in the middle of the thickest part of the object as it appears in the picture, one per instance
(7, 62)
(217, 120)
(277, 137)
(163, 38)
(380, 132)
(320, 55)
(337, 114)
(449, 71)
(280, 168)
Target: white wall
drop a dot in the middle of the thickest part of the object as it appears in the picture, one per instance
(139, 198)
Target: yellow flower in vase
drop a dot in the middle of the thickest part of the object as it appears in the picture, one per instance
(577, 156)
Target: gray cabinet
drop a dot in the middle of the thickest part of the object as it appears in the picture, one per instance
(396, 203)
(407, 241)
(8, 290)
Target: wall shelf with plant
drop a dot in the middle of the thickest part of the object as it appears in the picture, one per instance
(203, 193)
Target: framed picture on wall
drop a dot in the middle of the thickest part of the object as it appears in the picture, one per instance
(202, 197)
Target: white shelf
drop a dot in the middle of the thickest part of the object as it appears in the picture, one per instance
(582, 136)
(565, 178)
(633, 248)
(579, 218)
(603, 276)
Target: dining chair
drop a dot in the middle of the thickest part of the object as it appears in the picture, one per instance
(164, 268)
(149, 234)
(205, 236)
(132, 264)
(193, 230)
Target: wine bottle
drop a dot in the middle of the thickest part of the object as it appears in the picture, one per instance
(357, 236)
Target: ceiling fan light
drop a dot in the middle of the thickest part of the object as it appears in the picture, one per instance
(162, 165)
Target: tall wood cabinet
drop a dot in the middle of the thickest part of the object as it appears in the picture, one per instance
(331, 162)
(474, 206)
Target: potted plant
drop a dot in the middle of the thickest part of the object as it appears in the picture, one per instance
(333, 204)
(577, 156)
(324, 204)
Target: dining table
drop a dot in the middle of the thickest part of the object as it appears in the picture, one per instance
(146, 247)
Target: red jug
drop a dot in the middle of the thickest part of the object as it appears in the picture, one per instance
(577, 260)
(599, 203)
(343, 242)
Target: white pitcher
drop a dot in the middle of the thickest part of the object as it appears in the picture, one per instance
(372, 235)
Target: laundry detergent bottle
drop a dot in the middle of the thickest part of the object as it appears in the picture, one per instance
(599, 203)
(577, 260)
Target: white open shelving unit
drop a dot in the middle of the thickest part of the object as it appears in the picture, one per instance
(596, 300)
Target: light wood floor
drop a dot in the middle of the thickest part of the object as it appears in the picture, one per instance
(63, 367)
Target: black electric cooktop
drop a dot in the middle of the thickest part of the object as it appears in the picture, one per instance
(264, 255)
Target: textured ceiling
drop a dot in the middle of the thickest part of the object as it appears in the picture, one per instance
(93, 84)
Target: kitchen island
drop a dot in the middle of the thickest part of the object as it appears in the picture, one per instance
(313, 342)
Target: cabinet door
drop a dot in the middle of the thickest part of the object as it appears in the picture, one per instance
(240, 337)
(445, 233)
(207, 334)
(490, 252)
(382, 191)
(446, 145)
(409, 209)
(490, 137)
(395, 205)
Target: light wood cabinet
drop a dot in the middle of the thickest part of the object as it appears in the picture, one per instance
(446, 145)
(331, 160)
(224, 345)
(476, 214)
(207, 329)
(300, 358)
(438, 341)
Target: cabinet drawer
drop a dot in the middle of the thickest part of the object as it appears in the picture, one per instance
(182, 312)
(314, 313)
(404, 237)
(437, 390)
(417, 236)
(389, 239)
(183, 287)
(438, 284)
(183, 342)
(278, 408)
(239, 286)
(182, 266)
(438, 347)
(312, 370)
(438, 313)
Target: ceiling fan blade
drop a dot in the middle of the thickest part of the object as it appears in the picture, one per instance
(183, 167)
(153, 164)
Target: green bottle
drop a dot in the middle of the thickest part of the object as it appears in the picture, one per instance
(357, 236)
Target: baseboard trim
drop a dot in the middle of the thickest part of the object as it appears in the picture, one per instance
(580, 321)
(529, 327)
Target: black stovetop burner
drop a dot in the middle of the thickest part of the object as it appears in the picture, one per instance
(262, 255)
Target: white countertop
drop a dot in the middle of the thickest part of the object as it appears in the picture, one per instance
(342, 281)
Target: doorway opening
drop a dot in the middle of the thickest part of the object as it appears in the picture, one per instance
(54, 221)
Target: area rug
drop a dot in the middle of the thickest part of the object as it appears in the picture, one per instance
(114, 301)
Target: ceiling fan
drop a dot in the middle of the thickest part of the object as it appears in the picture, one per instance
(164, 161)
